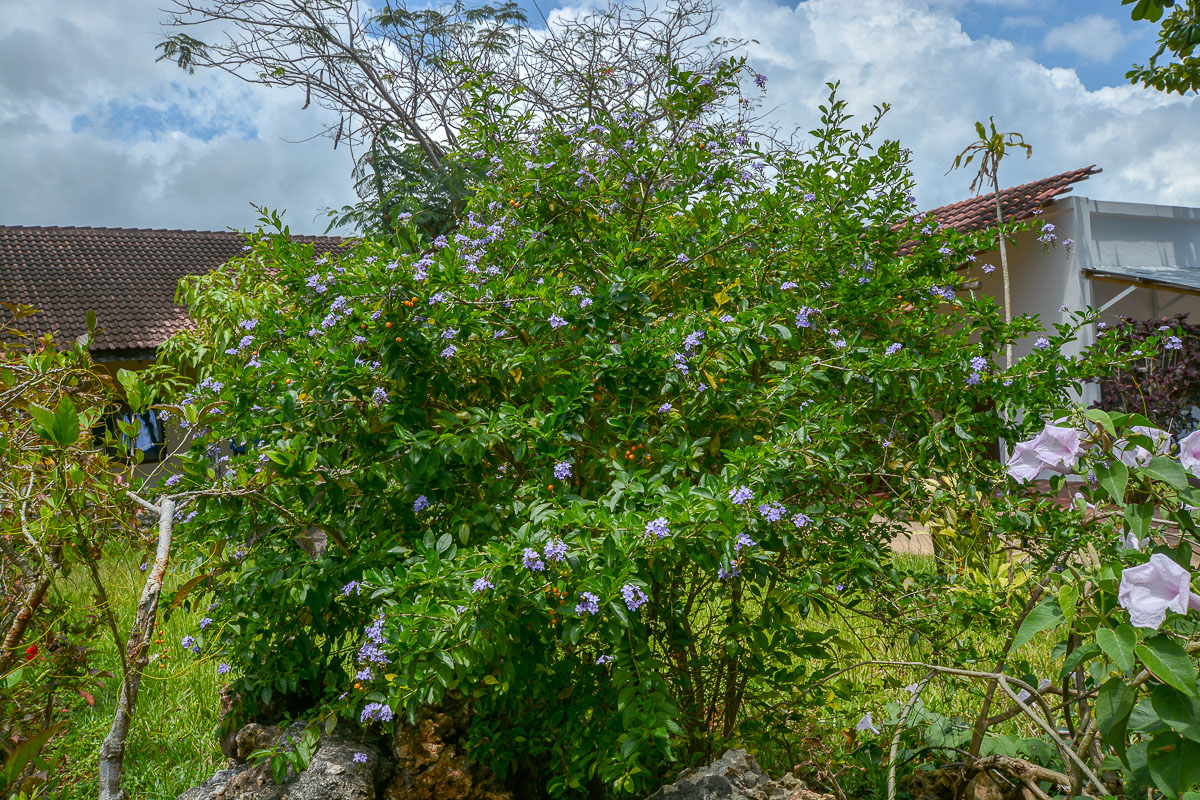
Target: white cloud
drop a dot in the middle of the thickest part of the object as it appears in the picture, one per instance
(105, 136)
(1093, 38)
(1025, 21)
(940, 81)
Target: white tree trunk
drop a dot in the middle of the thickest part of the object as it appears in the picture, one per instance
(1008, 355)
(137, 651)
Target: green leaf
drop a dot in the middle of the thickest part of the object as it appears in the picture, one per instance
(1168, 470)
(1138, 517)
(1169, 663)
(43, 422)
(1113, 479)
(1045, 616)
(1118, 645)
(1178, 710)
(66, 422)
(1102, 419)
(1114, 704)
(1174, 763)
(134, 388)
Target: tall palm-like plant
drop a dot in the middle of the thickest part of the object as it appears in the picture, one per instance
(991, 147)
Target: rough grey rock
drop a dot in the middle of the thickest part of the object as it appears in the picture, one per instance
(332, 772)
(734, 776)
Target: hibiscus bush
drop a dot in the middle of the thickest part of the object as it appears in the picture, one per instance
(600, 461)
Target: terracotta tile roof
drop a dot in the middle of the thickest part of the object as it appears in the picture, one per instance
(1016, 203)
(127, 276)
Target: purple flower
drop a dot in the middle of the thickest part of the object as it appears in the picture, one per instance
(839, 342)
(772, 512)
(1189, 453)
(634, 596)
(664, 408)
(420, 504)
(363, 674)
(205, 622)
(222, 668)
(801, 520)
(556, 321)
(658, 527)
(743, 541)
(360, 758)
(1055, 448)
(481, 585)
(760, 81)
(1133, 455)
(532, 560)
(1042, 343)
(449, 333)
(379, 396)
(802, 315)
(740, 494)
(788, 285)
(692, 341)
(979, 364)
(556, 550)
(809, 197)
(682, 259)
(352, 586)
(562, 470)
(726, 318)
(727, 574)
(867, 724)
(604, 660)
(188, 642)
(1148, 591)
(1173, 343)
(973, 379)
(449, 351)
(588, 604)
(893, 348)
(988, 269)
(377, 711)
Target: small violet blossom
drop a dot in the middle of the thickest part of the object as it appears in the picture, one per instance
(867, 724)
(634, 596)
(562, 470)
(658, 527)
(588, 604)
(420, 504)
(740, 494)
(1133, 455)
(532, 560)
(481, 585)
(556, 550)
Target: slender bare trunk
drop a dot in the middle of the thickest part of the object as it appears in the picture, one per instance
(137, 650)
(1008, 355)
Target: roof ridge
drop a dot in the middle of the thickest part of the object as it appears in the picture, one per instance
(91, 228)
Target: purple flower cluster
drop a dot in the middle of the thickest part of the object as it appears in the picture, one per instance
(588, 604)
(481, 585)
(740, 494)
(379, 396)
(658, 527)
(802, 317)
(556, 321)
(377, 711)
(420, 504)
(532, 560)
(743, 540)
(370, 650)
(727, 574)
(772, 512)
(562, 470)
(351, 587)
(556, 550)
(635, 598)
(893, 348)
(801, 520)
(189, 643)
(605, 659)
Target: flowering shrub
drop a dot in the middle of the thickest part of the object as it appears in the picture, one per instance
(593, 459)
(1163, 379)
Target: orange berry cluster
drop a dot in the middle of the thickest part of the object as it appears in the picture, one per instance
(631, 452)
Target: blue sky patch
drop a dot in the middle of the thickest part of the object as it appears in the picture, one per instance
(130, 120)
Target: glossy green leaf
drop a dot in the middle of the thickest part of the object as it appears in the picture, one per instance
(1163, 656)
(1118, 645)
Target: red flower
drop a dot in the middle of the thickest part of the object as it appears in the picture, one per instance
(31, 652)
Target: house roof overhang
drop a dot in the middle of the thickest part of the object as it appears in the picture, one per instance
(1170, 277)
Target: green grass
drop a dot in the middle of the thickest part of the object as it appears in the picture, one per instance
(171, 746)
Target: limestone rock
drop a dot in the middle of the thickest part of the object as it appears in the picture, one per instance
(734, 776)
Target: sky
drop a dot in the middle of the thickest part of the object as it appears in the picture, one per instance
(94, 132)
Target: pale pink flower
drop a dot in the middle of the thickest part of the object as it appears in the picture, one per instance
(1134, 455)
(1055, 448)
(1148, 591)
(867, 724)
(1189, 453)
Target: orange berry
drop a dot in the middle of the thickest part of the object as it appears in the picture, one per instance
(387, 325)
(414, 298)
(720, 380)
(288, 381)
(550, 486)
(397, 338)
